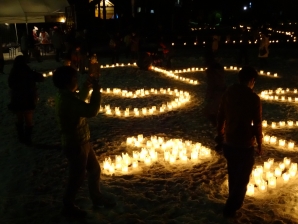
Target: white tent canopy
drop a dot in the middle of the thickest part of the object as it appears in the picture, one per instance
(29, 11)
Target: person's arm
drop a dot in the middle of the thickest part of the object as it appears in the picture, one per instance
(257, 121)
(83, 109)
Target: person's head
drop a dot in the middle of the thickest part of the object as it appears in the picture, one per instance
(65, 77)
(19, 62)
(247, 76)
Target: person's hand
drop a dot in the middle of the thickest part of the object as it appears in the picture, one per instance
(259, 150)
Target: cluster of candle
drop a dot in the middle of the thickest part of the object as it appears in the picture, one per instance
(118, 65)
(181, 97)
(47, 74)
(275, 95)
(156, 149)
(174, 76)
(267, 176)
(274, 141)
(280, 124)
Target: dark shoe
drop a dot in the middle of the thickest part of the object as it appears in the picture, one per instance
(74, 211)
(20, 132)
(28, 135)
(228, 213)
(104, 203)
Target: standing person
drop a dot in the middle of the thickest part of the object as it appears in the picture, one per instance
(243, 50)
(72, 111)
(167, 53)
(239, 126)
(25, 46)
(127, 42)
(22, 83)
(134, 47)
(94, 68)
(215, 44)
(1, 58)
(58, 43)
(215, 89)
(76, 58)
(263, 50)
(115, 43)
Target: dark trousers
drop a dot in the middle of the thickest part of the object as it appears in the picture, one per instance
(80, 159)
(240, 164)
(58, 54)
(1, 65)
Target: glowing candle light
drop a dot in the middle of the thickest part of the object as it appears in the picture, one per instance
(277, 172)
(293, 166)
(287, 161)
(140, 137)
(266, 138)
(273, 125)
(281, 142)
(282, 166)
(291, 145)
(282, 123)
(268, 175)
(264, 123)
(250, 189)
(135, 164)
(273, 140)
(172, 159)
(267, 166)
(263, 186)
(124, 169)
(272, 182)
(286, 177)
(290, 123)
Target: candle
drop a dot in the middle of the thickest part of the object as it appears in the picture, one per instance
(263, 186)
(264, 123)
(273, 125)
(124, 169)
(273, 140)
(292, 172)
(290, 123)
(287, 162)
(135, 164)
(282, 166)
(271, 161)
(140, 138)
(282, 123)
(172, 159)
(266, 138)
(281, 142)
(267, 166)
(278, 172)
(272, 182)
(291, 145)
(250, 189)
(286, 177)
(268, 175)
(112, 168)
(293, 166)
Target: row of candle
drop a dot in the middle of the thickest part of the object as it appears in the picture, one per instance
(280, 124)
(279, 91)
(143, 92)
(173, 151)
(180, 99)
(272, 140)
(263, 176)
(118, 65)
(172, 75)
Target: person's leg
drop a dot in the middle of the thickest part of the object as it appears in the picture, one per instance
(245, 164)
(93, 170)
(240, 164)
(232, 165)
(28, 116)
(20, 126)
(57, 54)
(77, 160)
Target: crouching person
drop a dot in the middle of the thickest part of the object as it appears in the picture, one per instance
(239, 126)
(72, 111)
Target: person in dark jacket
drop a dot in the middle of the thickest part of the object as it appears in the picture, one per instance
(239, 126)
(22, 83)
(72, 111)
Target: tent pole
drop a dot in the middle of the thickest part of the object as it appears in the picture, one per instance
(15, 26)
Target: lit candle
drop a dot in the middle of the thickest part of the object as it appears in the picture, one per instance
(290, 123)
(267, 166)
(281, 142)
(287, 161)
(278, 172)
(124, 169)
(271, 161)
(250, 189)
(264, 123)
(273, 125)
(286, 177)
(293, 166)
(268, 175)
(272, 182)
(282, 123)
(263, 186)
(135, 164)
(282, 166)
(291, 145)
